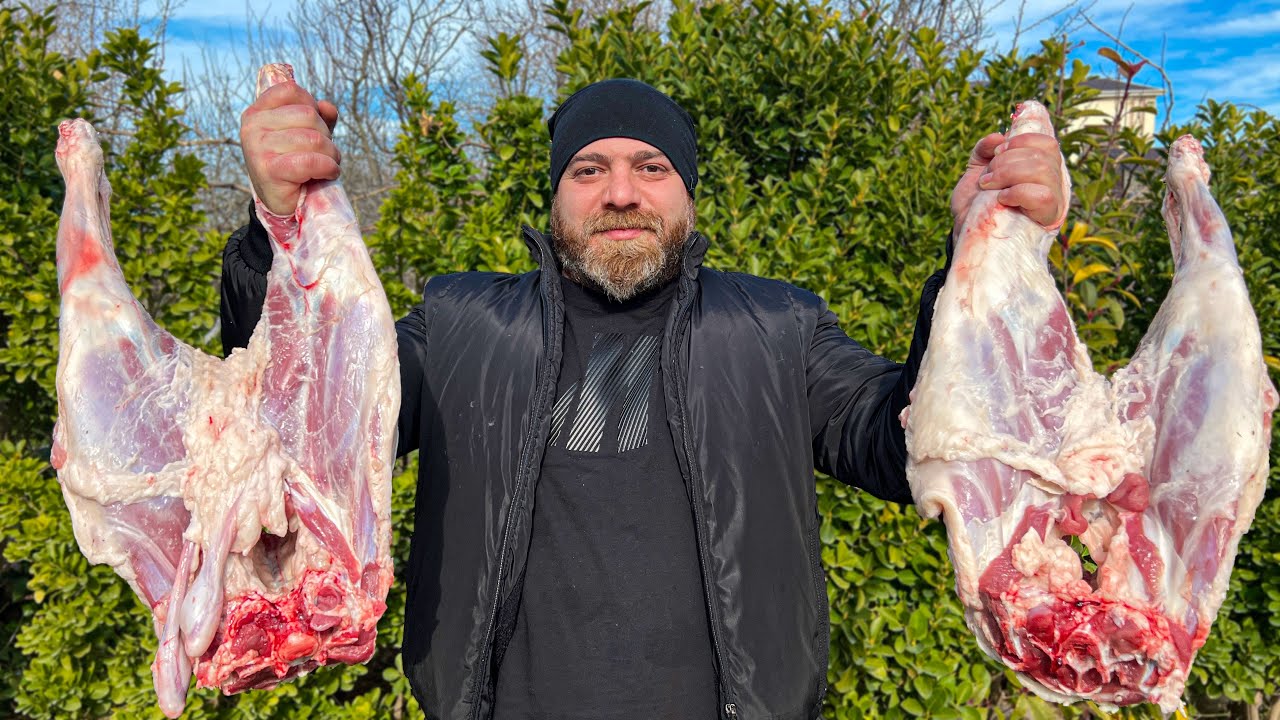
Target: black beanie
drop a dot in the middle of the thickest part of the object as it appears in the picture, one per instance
(623, 108)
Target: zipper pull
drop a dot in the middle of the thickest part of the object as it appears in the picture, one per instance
(731, 710)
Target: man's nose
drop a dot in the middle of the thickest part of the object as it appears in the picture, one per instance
(622, 191)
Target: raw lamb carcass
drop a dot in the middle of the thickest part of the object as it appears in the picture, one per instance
(247, 500)
(1020, 445)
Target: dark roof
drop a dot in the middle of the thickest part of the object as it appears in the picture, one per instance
(1113, 85)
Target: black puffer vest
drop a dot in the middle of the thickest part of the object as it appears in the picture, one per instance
(762, 387)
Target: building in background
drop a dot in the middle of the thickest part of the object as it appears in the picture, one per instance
(1111, 93)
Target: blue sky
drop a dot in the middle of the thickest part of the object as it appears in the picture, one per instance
(1226, 50)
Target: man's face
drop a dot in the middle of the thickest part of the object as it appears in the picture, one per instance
(620, 217)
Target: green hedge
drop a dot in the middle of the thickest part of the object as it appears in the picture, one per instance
(827, 159)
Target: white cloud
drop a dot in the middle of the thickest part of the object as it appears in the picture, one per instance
(1266, 23)
(1204, 47)
(1261, 80)
(1258, 86)
(235, 11)
(1130, 18)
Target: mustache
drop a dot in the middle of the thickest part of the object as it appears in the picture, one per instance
(619, 220)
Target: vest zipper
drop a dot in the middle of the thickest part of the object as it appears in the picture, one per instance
(522, 475)
(672, 349)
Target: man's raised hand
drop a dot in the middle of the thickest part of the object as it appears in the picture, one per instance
(287, 140)
(1027, 170)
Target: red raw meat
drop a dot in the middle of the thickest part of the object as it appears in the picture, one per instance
(1020, 445)
(247, 500)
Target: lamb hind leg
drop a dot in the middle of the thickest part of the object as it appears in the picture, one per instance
(123, 388)
(1198, 391)
(119, 380)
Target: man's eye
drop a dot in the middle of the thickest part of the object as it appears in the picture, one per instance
(586, 172)
(654, 169)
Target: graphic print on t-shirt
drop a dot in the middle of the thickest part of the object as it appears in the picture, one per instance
(612, 620)
(613, 394)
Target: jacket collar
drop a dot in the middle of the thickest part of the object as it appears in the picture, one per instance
(695, 249)
(539, 245)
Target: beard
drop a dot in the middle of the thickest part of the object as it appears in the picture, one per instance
(621, 269)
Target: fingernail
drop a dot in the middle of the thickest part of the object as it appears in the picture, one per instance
(1001, 148)
(984, 179)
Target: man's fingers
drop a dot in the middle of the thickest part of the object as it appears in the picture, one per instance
(287, 141)
(301, 167)
(1017, 165)
(1033, 140)
(1035, 200)
(287, 105)
(286, 93)
(328, 113)
(1026, 169)
(985, 150)
(967, 187)
(282, 142)
(291, 116)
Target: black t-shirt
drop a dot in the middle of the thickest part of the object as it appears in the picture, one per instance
(612, 621)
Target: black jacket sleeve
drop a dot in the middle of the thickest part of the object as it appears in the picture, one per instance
(245, 263)
(855, 398)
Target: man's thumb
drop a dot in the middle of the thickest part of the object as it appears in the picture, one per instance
(985, 150)
(328, 113)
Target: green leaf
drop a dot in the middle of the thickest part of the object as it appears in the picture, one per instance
(918, 625)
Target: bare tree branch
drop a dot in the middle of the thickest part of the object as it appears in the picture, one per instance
(959, 25)
(357, 53)
(208, 141)
(81, 27)
(528, 20)
(238, 187)
(1168, 84)
(1049, 16)
(372, 193)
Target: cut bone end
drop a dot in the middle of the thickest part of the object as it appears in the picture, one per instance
(1187, 155)
(1031, 117)
(264, 641)
(1106, 651)
(78, 147)
(273, 74)
(1186, 165)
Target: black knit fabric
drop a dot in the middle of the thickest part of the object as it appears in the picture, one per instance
(623, 108)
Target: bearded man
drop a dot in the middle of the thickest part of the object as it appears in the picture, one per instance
(615, 512)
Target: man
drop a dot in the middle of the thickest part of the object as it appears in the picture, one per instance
(615, 510)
